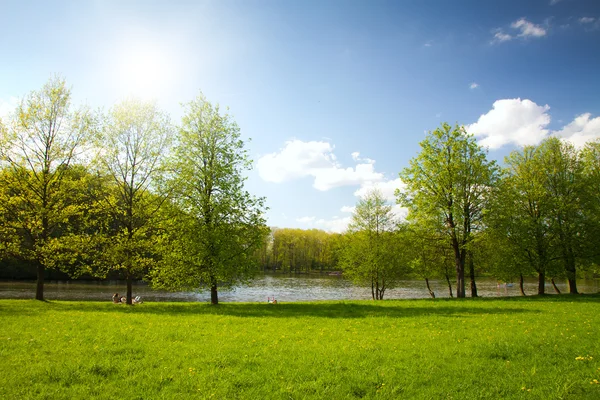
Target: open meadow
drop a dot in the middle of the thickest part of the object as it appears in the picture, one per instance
(535, 347)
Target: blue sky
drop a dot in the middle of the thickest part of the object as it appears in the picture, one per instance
(336, 95)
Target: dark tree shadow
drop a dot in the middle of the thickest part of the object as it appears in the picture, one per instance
(325, 309)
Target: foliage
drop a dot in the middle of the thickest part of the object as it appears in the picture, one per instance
(130, 153)
(565, 184)
(38, 146)
(302, 250)
(448, 185)
(373, 250)
(220, 225)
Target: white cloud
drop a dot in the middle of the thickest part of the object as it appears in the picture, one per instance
(581, 130)
(524, 28)
(528, 29)
(399, 212)
(553, 2)
(296, 160)
(516, 121)
(335, 224)
(474, 85)
(387, 188)
(305, 220)
(586, 20)
(501, 36)
(300, 159)
(348, 209)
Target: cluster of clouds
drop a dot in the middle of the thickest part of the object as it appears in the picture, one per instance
(520, 29)
(523, 122)
(316, 159)
(298, 159)
(523, 29)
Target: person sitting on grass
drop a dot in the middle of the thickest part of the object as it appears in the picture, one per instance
(116, 298)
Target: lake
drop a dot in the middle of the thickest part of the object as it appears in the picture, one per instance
(286, 288)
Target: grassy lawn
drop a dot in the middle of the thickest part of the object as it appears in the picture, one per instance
(540, 348)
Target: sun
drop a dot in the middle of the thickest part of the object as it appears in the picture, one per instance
(143, 71)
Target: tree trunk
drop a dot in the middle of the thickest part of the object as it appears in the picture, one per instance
(129, 290)
(460, 270)
(472, 275)
(372, 289)
(541, 283)
(521, 285)
(39, 290)
(449, 286)
(571, 276)
(214, 295)
(554, 285)
(429, 289)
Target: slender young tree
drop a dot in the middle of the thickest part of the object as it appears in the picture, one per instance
(221, 225)
(131, 151)
(40, 142)
(373, 251)
(448, 184)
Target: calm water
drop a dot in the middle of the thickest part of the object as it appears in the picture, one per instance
(284, 287)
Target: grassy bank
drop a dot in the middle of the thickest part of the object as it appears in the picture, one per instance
(508, 348)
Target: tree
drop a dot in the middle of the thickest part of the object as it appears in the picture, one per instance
(521, 214)
(131, 152)
(590, 157)
(39, 144)
(372, 254)
(564, 181)
(220, 225)
(448, 185)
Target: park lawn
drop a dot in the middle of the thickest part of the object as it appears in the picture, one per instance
(535, 347)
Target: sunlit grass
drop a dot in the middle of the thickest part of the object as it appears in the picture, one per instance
(510, 348)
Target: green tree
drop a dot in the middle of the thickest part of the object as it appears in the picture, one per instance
(520, 216)
(131, 152)
(564, 181)
(590, 157)
(448, 185)
(372, 252)
(40, 142)
(221, 225)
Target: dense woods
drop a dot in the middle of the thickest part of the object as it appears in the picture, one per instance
(129, 194)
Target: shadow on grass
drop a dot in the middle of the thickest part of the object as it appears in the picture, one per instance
(289, 310)
(341, 309)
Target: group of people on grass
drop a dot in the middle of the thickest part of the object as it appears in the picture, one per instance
(122, 299)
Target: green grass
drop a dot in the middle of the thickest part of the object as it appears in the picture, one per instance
(430, 349)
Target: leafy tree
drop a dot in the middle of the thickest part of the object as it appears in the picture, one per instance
(590, 157)
(221, 225)
(38, 145)
(564, 181)
(131, 152)
(372, 253)
(521, 215)
(448, 185)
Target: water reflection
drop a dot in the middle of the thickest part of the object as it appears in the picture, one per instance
(283, 287)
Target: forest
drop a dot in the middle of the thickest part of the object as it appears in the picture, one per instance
(129, 194)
